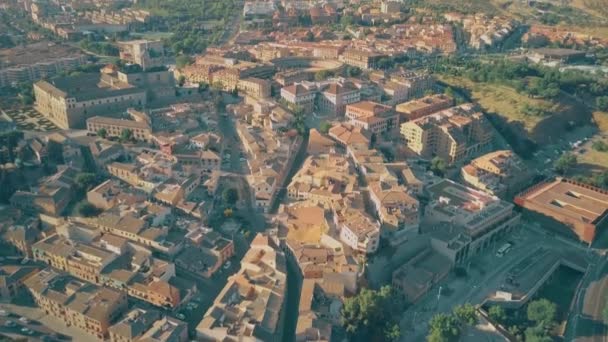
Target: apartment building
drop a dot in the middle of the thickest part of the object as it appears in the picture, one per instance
(148, 325)
(287, 78)
(324, 180)
(335, 96)
(147, 53)
(138, 230)
(207, 252)
(228, 71)
(255, 87)
(112, 193)
(12, 278)
(361, 58)
(349, 135)
(358, 231)
(427, 105)
(397, 209)
(374, 117)
(78, 304)
(80, 260)
(51, 197)
(301, 95)
(305, 233)
(33, 62)
(251, 305)
(497, 173)
(483, 217)
(23, 236)
(416, 277)
(114, 127)
(69, 101)
(454, 134)
(390, 6)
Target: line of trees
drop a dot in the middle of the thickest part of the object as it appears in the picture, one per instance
(530, 79)
(448, 327)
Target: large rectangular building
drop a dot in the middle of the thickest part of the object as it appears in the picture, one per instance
(581, 208)
(483, 217)
(69, 101)
(454, 134)
(427, 105)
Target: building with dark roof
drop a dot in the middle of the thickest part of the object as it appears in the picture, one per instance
(69, 101)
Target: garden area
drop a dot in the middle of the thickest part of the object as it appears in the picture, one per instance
(543, 318)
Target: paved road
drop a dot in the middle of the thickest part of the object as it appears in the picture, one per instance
(485, 276)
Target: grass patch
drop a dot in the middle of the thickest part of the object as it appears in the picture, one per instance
(502, 100)
(592, 160)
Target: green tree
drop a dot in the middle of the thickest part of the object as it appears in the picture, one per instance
(565, 163)
(182, 61)
(230, 196)
(126, 135)
(102, 133)
(202, 86)
(181, 80)
(443, 328)
(54, 152)
(497, 314)
(371, 314)
(385, 63)
(449, 91)
(325, 127)
(86, 209)
(310, 37)
(537, 333)
(438, 166)
(392, 332)
(466, 314)
(347, 20)
(542, 311)
(600, 146)
(85, 180)
(602, 103)
(322, 75)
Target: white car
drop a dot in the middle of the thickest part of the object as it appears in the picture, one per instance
(9, 324)
(24, 320)
(3, 313)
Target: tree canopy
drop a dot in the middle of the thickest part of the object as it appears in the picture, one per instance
(542, 311)
(372, 315)
(230, 196)
(443, 328)
(565, 163)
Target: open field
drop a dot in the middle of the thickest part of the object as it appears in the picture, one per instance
(593, 7)
(592, 161)
(504, 106)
